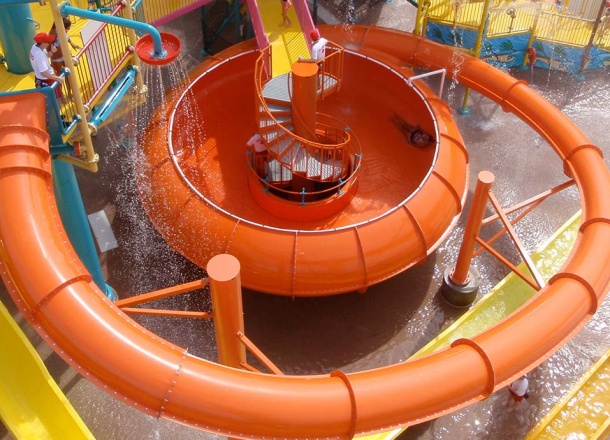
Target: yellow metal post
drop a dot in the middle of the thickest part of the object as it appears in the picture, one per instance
(88, 155)
(133, 39)
(477, 49)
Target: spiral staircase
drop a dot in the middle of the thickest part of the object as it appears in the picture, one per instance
(315, 162)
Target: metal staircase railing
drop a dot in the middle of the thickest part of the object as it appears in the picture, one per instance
(334, 154)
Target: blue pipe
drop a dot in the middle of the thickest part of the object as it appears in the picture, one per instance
(114, 99)
(144, 28)
(16, 2)
(16, 37)
(74, 218)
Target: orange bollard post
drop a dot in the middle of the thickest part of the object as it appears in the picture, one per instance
(461, 283)
(227, 309)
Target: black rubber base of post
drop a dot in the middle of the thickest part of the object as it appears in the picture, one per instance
(460, 296)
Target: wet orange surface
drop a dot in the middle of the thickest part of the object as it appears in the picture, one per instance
(392, 168)
(406, 200)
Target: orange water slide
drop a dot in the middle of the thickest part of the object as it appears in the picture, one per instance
(51, 287)
(392, 213)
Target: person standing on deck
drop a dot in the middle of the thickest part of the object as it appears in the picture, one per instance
(39, 58)
(318, 48)
(57, 57)
(518, 389)
(286, 5)
(260, 158)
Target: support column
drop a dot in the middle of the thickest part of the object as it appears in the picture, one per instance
(74, 218)
(304, 98)
(227, 309)
(461, 283)
(141, 89)
(87, 154)
(17, 37)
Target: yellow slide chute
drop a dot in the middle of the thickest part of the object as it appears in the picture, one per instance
(31, 404)
(584, 412)
(288, 44)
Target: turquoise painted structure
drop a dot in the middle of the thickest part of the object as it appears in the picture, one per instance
(17, 30)
(510, 51)
(74, 218)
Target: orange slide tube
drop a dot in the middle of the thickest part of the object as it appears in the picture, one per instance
(51, 287)
(394, 218)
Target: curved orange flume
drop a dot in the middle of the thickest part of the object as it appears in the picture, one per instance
(51, 287)
(405, 198)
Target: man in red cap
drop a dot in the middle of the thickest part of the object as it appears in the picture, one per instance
(318, 48)
(39, 58)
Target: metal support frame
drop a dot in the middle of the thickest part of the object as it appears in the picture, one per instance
(126, 303)
(442, 72)
(460, 274)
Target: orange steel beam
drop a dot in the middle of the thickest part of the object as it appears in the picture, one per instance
(530, 204)
(516, 241)
(460, 274)
(259, 354)
(162, 293)
(225, 288)
(511, 266)
(536, 200)
(247, 366)
(167, 313)
(502, 230)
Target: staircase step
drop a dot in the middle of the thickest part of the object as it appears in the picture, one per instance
(277, 172)
(313, 168)
(277, 89)
(273, 132)
(276, 107)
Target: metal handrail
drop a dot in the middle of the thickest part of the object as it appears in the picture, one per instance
(314, 150)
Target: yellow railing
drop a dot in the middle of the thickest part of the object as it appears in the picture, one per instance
(541, 19)
(565, 29)
(512, 20)
(103, 57)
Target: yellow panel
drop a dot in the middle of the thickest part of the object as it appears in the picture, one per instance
(31, 404)
(584, 412)
(288, 44)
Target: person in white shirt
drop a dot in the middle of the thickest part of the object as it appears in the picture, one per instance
(318, 48)
(257, 143)
(39, 59)
(518, 389)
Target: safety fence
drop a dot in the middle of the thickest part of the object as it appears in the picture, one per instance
(545, 21)
(512, 20)
(157, 12)
(106, 52)
(564, 29)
